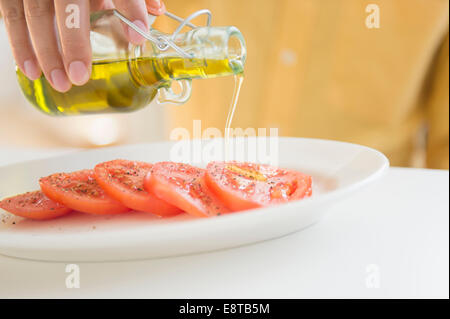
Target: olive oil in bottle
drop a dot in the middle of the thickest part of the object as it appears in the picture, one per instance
(122, 85)
(127, 77)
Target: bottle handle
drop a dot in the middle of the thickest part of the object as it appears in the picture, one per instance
(166, 95)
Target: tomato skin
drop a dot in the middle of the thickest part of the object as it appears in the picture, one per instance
(184, 186)
(124, 181)
(81, 192)
(235, 203)
(243, 186)
(34, 205)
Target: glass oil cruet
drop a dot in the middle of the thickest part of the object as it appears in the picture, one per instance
(128, 77)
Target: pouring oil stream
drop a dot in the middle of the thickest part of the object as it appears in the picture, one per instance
(238, 79)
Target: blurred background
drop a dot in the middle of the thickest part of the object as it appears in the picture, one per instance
(314, 69)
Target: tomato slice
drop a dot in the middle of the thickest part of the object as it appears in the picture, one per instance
(246, 185)
(124, 181)
(183, 186)
(80, 191)
(34, 205)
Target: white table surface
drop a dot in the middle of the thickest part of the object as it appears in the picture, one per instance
(390, 240)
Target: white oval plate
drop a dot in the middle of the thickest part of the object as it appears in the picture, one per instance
(338, 169)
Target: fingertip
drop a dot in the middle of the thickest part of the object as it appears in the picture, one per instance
(60, 81)
(155, 7)
(32, 70)
(135, 37)
(78, 73)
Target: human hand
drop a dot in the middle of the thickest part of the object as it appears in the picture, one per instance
(31, 30)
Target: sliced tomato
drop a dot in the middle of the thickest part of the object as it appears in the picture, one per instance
(184, 186)
(34, 205)
(124, 181)
(80, 191)
(245, 185)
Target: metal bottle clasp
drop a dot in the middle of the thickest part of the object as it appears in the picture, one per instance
(164, 42)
